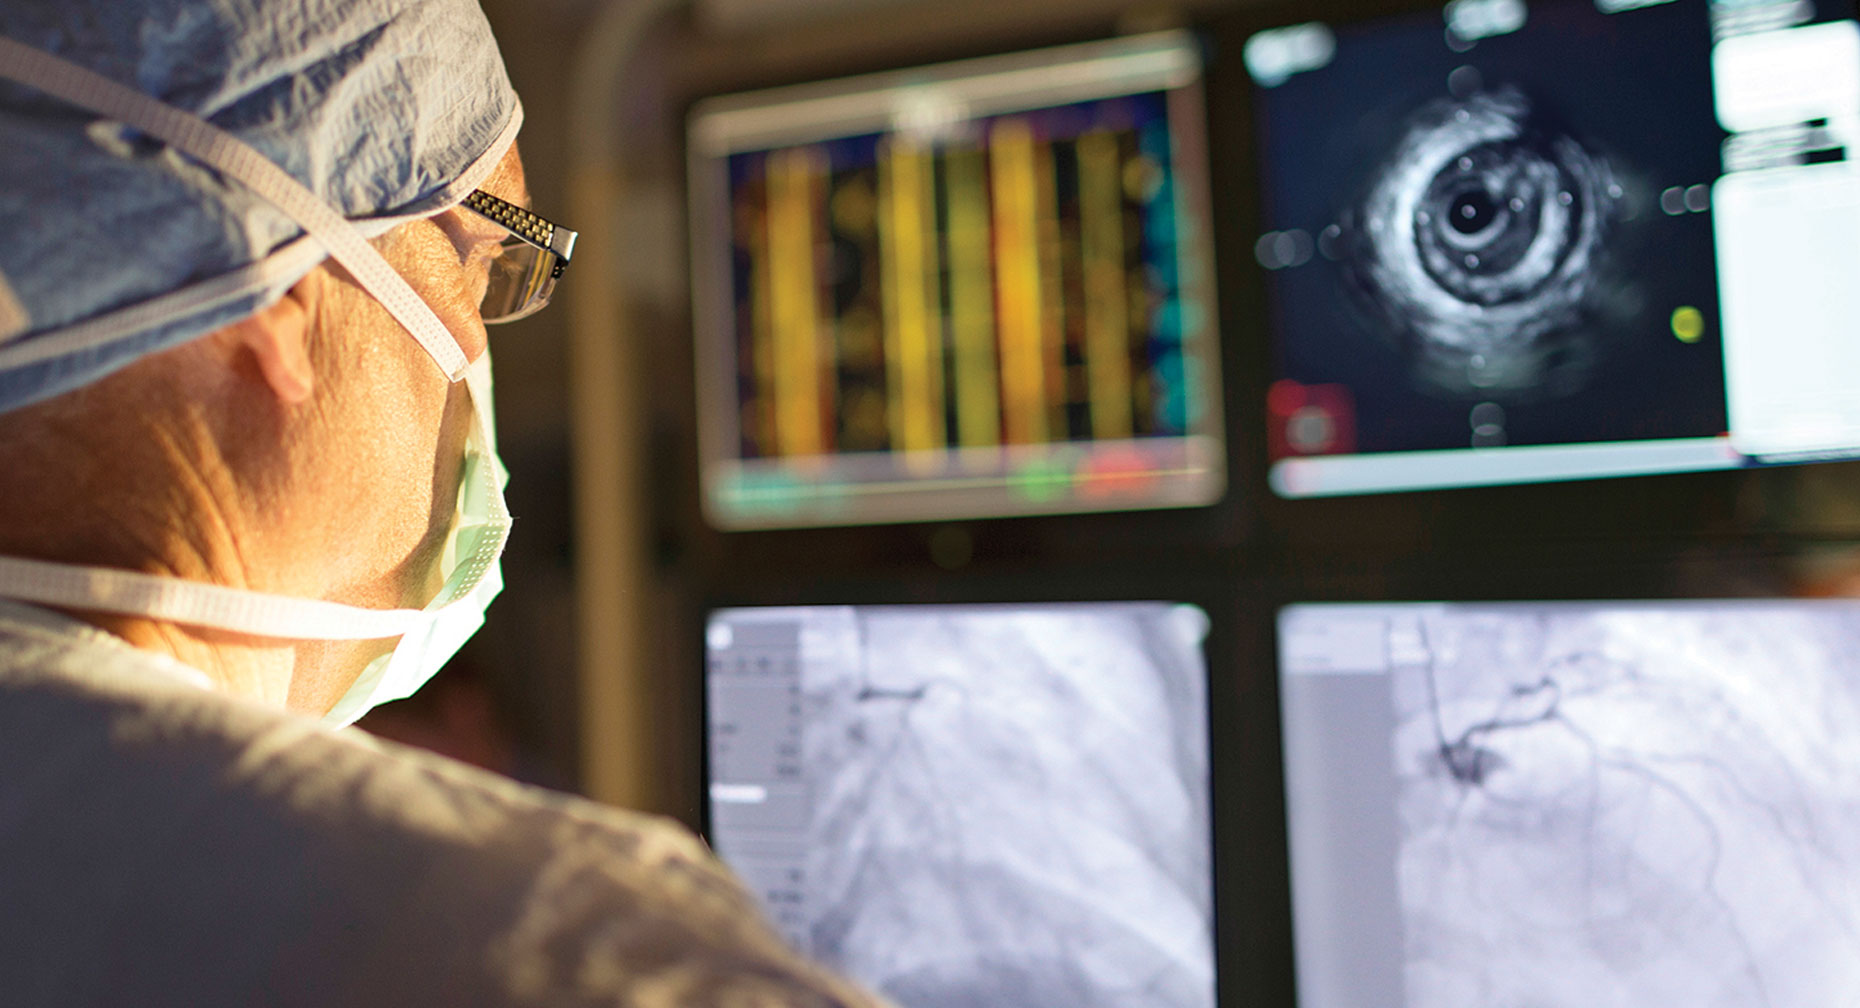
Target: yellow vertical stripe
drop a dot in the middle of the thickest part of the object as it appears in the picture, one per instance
(1013, 173)
(795, 180)
(911, 289)
(971, 299)
(933, 422)
(1051, 246)
(1107, 310)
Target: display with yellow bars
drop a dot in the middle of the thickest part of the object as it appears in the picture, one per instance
(1000, 305)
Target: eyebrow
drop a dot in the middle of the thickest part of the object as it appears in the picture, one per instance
(469, 234)
(508, 179)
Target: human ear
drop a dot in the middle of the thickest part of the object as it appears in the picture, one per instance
(278, 338)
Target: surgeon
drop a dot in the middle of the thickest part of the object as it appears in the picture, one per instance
(248, 489)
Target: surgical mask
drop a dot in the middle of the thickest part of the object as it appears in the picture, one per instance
(468, 566)
(428, 637)
(480, 523)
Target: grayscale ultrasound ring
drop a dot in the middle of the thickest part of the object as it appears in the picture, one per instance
(1479, 247)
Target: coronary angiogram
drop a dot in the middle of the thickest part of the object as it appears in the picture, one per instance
(1630, 807)
(1010, 807)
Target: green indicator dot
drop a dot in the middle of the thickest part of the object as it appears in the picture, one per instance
(1043, 481)
(760, 495)
(1688, 324)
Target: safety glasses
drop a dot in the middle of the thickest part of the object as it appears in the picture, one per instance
(531, 260)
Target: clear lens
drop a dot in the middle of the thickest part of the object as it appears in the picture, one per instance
(522, 276)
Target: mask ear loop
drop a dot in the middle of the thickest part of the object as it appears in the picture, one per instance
(226, 153)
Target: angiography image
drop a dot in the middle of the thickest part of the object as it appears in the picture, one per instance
(1629, 805)
(1494, 241)
(1009, 806)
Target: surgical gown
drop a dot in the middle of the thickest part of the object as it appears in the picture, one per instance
(165, 844)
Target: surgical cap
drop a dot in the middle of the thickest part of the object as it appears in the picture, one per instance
(118, 244)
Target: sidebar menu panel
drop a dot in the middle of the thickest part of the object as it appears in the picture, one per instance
(758, 797)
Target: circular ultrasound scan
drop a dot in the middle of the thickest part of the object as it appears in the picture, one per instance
(1481, 247)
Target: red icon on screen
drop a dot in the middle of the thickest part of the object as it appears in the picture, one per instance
(1309, 420)
(1120, 472)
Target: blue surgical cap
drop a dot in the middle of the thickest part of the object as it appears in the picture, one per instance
(119, 244)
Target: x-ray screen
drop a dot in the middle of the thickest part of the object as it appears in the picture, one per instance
(1514, 242)
(1574, 804)
(969, 806)
(971, 290)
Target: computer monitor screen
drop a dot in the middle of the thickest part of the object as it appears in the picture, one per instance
(983, 805)
(973, 290)
(1574, 804)
(1514, 242)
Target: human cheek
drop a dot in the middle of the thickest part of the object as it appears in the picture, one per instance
(453, 288)
(430, 420)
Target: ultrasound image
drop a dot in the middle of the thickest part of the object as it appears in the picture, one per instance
(1629, 808)
(1010, 807)
(1482, 241)
(1479, 246)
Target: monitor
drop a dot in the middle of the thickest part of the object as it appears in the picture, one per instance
(1610, 803)
(972, 290)
(1510, 242)
(973, 805)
